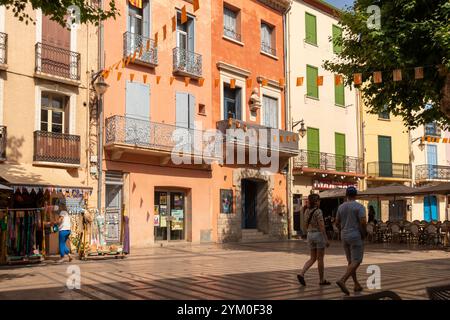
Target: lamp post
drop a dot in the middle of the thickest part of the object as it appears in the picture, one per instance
(421, 144)
(302, 130)
(100, 87)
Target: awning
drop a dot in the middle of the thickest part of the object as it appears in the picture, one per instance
(333, 193)
(442, 188)
(394, 190)
(29, 175)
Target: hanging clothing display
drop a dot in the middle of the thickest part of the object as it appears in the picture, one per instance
(25, 234)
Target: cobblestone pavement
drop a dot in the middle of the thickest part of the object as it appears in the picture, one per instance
(237, 271)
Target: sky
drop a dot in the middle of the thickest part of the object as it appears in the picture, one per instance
(340, 3)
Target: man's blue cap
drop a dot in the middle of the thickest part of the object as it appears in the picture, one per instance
(351, 192)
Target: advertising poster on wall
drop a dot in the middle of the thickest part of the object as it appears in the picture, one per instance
(163, 210)
(156, 221)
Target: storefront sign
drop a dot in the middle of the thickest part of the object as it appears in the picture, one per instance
(178, 215)
(331, 184)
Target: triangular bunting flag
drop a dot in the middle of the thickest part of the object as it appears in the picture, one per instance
(174, 23)
(184, 17)
(338, 80)
(201, 81)
(264, 82)
(148, 45)
(232, 83)
(397, 75)
(196, 5)
(141, 52)
(357, 78)
(445, 140)
(119, 75)
(134, 57)
(187, 80)
(216, 83)
(164, 32)
(377, 77)
(171, 80)
(249, 83)
(300, 81)
(320, 81)
(158, 79)
(156, 39)
(131, 77)
(281, 82)
(144, 78)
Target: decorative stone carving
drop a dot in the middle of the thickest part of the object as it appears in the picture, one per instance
(255, 101)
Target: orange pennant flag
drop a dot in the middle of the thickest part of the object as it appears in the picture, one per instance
(148, 45)
(174, 23)
(320, 80)
(141, 52)
(134, 57)
(377, 77)
(158, 79)
(119, 75)
(187, 80)
(118, 64)
(264, 82)
(131, 77)
(156, 39)
(128, 60)
(445, 140)
(216, 83)
(249, 83)
(171, 80)
(232, 83)
(428, 139)
(300, 81)
(281, 82)
(184, 17)
(144, 78)
(123, 63)
(397, 75)
(201, 81)
(338, 80)
(196, 5)
(418, 73)
(357, 78)
(106, 74)
(164, 32)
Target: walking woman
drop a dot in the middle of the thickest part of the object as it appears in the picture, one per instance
(64, 231)
(317, 240)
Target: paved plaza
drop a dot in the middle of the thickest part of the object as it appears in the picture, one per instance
(232, 271)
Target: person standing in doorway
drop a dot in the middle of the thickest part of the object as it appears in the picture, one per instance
(351, 219)
(317, 240)
(64, 231)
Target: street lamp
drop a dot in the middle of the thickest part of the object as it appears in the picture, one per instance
(302, 130)
(100, 87)
(421, 144)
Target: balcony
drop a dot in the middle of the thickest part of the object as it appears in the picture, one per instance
(3, 51)
(320, 162)
(187, 63)
(432, 172)
(432, 130)
(136, 43)
(56, 148)
(398, 171)
(268, 49)
(230, 32)
(58, 64)
(135, 136)
(3, 143)
(254, 137)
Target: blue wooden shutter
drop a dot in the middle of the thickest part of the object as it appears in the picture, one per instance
(146, 18)
(137, 100)
(182, 110)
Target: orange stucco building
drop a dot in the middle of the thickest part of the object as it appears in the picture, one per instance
(193, 73)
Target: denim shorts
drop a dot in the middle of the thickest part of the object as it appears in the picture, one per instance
(316, 240)
(354, 250)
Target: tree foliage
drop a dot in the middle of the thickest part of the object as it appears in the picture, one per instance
(413, 33)
(90, 10)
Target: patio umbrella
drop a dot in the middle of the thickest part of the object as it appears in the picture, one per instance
(394, 190)
(442, 188)
(333, 193)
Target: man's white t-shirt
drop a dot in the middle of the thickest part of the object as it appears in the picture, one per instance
(65, 225)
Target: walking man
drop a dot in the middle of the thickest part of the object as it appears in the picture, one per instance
(351, 219)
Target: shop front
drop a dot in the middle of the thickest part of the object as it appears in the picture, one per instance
(170, 215)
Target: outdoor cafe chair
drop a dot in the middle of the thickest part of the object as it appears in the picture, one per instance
(382, 232)
(416, 222)
(431, 235)
(394, 232)
(414, 233)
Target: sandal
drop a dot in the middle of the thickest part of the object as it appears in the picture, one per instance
(343, 288)
(325, 283)
(301, 279)
(358, 289)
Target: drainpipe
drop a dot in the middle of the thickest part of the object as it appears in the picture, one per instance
(287, 103)
(100, 119)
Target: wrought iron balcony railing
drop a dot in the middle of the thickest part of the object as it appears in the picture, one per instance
(267, 48)
(56, 147)
(187, 63)
(432, 130)
(3, 47)
(160, 137)
(328, 162)
(257, 136)
(145, 48)
(3, 143)
(57, 62)
(230, 32)
(389, 170)
(432, 172)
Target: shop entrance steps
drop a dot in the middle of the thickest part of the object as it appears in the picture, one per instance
(253, 235)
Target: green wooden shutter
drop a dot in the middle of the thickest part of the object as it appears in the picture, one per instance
(313, 142)
(311, 28)
(339, 94)
(339, 146)
(385, 156)
(337, 34)
(311, 82)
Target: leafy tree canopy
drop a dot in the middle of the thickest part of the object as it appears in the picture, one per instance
(413, 33)
(90, 10)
